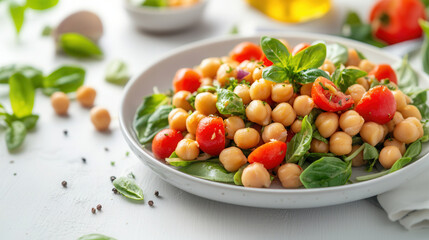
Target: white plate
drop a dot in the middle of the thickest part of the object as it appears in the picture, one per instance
(161, 73)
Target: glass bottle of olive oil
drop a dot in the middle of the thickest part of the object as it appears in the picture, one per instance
(292, 10)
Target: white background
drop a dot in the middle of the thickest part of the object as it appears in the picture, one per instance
(34, 205)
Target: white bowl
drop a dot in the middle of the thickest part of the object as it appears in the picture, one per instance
(163, 20)
(160, 74)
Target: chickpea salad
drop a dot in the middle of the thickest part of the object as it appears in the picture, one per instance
(306, 115)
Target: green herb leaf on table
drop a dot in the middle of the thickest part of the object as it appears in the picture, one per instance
(300, 143)
(337, 53)
(65, 79)
(79, 46)
(30, 72)
(129, 188)
(229, 103)
(275, 51)
(47, 31)
(95, 236)
(41, 4)
(15, 135)
(30, 121)
(209, 171)
(117, 72)
(326, 172)
(21, 95)
(17, 13)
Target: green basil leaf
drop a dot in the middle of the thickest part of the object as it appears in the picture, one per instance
(15, 135)
(158, 120)
(310, 75)
(155, 3)
(65, 79)
(21, 95)
(30, 72)
(414, 149)
(129, 188)
(47, 31)
(425, 137)
(407, 76)
(370, 154)
(79, 46)
(229, 103)
(311, 57)
(17, 13)
(41, 4)
(275, 51)
(300, 143)
(326, 172)
(316, 135)
(176, 161)
(275, 74)
(337, 53)
(425, 47)
(238, 174)
(30, 121)
(209, 171)
(346, 77)
(117, 72)
(400, 163)
(95, 236)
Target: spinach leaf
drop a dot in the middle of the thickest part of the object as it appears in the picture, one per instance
(15, 135)
(310, 75)
(79, 46)
(326, 172)
(117, 72)
(346, 77)
(337, 53)
(95, 236)
(21, 95)
(238, 174)
(311, 57)
(149, 125)
(17, 12)
(400, 163)
(210, 171)
(129, 188)
(32, 73)
(275, 74)
(229, 103)
(41, 4)
(155, 3)
(414, 149)
(300, 143)
(65, 79)
(275, 51)
(316, 135)
(150, 104)
(370, 154)
(425, 47)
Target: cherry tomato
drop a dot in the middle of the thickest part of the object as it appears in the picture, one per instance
(384, 71)
(328, 97)
(186, 79)
(271, 154)
(377, 105)
(299, 48)
(210, 135)
(246, 51)
(396, 21)
(265, 61)
(165, 142)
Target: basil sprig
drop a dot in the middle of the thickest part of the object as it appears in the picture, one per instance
(326, 172)
(128, 188)
(344, 78)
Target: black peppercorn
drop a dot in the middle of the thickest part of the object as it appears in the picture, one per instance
(64, 183)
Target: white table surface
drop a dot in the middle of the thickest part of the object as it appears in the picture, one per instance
(34, 205)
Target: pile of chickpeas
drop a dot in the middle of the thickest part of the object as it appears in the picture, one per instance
(275, 111)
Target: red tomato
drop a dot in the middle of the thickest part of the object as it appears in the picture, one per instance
(165, 142)
(377, 105)
(271, 154)
(299, 48)
(384, 71)
(396, 21)
(328, 97)
(186, 79)
(265, 61)
(210, 135)
(246, 51)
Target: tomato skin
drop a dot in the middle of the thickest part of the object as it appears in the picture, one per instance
(384, 71)
(246, 51)
(210, 135)
(396, 21)
(265, 61)
(322, 98)
(186, 79)
(164, 143)
(271, 154)
(377, 105)
(299, 48)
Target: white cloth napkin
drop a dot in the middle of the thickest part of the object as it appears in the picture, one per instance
(409, 203)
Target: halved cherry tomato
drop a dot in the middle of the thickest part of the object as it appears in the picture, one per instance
(299, 48)
(165, 142)
(377, 105)
(210, 135)
(384, 71)
(246, 51)
(328, 97)
(395, 21)
(186, 79)
(271, 154)
(265, 61)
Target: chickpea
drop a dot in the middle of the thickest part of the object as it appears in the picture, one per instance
(400, 99)
(292, 99)
(327, 124)
(206, 82)
(411, 111)
(408, 130)
(205, 103)
(296, 126)
(372, 133)
(353, 58)
(248, 66)
(366, 65)
(388, 156)
(328, 66)
(284, 114)
(396, 143)
(303, 105)
(358, 160)
(259, 112)
(356, 91)
(318, 146)
(228, 60)
(274, 131)
(340, 143)
(85, 96)
(189, 136)
(257, 73)
(232, 124)
(187, 149)
(385, 130)
(351, 122)
(225, 72)
(363, 82)
(180, 100)
(100, 118)
(260, 89)
(418, 125)
(60, 102)
(177, 119)
(407, 99)
(281, 92)
(255, 175)
(209, 66)
(243, 91)
(232, 158)
(289, 175)
(246, 138)
(397, 118)
(193, 120)
(306, 89)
